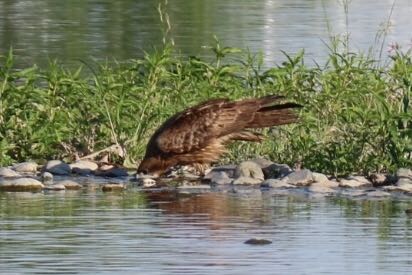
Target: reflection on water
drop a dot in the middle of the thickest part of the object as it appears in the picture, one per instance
(152, 232)
(88, 29)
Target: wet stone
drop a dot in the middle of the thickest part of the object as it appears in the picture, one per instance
(379, 179)
(320, 178)
(112, 172)
(8, 173)
(111, 187)
(83, 167)
(255, 241)
(355, 182)
(249, 169)
(378, 194)
(276, 183)
(25, 167)
(404, 173)
(21, 184)
(318, 187)
(300, 178)
(70, 185)
(246, 181)
(57, 167)
(220, 178)
(55, 187)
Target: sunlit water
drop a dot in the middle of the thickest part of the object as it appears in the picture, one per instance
(153, 232)
(90, 30)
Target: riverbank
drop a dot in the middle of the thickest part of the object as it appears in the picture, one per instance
(252, 174)
(356, 118)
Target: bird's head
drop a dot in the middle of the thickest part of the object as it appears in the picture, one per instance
(152, 166)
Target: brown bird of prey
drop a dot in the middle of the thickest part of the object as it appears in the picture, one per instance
(197, 136)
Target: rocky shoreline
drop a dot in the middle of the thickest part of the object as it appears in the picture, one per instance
(56, 175)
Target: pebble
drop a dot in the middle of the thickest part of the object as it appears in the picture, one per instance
(57, 167)
(8, 173)
(20, 184)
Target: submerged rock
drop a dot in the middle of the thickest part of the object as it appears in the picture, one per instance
(83, 167)
(255, 241)
(355, 182)
(110, 187)
(8, 173)
(26, 167)
(57, 167)
(249, 169)
(20, 184)
(378, 194)
(55, 187)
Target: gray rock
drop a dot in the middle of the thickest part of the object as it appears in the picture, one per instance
(276, 170)
(83, 167)
(47, 178)
(249, 169)
(20, 184)
(246, 181)
(355, 182)
(110, 187)
(57, 167)
(70, 185)
(404, 173)
(8, 173)
(320, 178)
(55, 187)
(402, 185)
(300, 178)
(277, 183)
(378, 194)
(318, 187)
(228, 169)
(220, 178)
(26, 167)
(111, 172)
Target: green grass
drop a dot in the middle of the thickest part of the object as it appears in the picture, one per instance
(356, 119)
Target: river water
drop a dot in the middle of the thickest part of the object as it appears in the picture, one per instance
(202, 232)
(196, 232)
(91, 30)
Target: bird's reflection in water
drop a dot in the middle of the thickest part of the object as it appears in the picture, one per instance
(217, 209)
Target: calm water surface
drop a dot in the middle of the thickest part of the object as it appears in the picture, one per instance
(154, 232)
(99, 29)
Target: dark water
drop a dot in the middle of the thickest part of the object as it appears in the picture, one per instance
(153, 232)
(99, 29)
